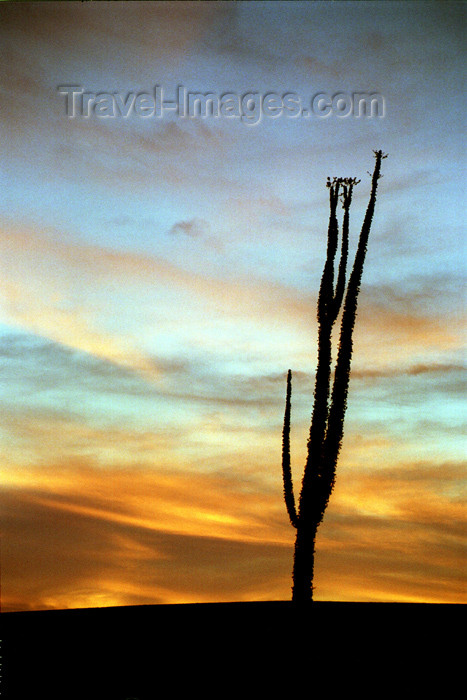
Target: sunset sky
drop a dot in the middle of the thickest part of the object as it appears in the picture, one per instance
(159, 276)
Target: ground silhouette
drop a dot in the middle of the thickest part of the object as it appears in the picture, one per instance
(228, 650)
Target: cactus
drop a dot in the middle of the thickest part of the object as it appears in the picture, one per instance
(330, 403)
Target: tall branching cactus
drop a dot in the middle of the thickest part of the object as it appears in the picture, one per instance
(330, 403)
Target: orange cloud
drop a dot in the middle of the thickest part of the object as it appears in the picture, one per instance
(110, 536)
(96, 536)
(170, 500)
(400, 529)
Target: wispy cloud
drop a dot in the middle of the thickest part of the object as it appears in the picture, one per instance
(168, 530)
(194, 228)
(58, 288)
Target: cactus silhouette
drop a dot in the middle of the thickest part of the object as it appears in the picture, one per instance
(330, 403)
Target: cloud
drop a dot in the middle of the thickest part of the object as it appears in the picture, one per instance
(415, 370)
(40, 314)
(94, 536)
(58, 288)
(133, 535)
(72, 559)
(257, 205)
(94, 32)
(69, 291)
(194, 228)
(399, 532)
(171, 499)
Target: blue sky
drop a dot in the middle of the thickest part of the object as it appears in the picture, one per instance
(159, 277)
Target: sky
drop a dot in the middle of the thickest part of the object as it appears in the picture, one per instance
(159, 276)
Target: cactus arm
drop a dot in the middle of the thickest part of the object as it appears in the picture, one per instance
(286, 469)
(340, 285)
(335, 427)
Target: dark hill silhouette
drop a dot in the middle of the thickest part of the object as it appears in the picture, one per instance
(240, 650)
